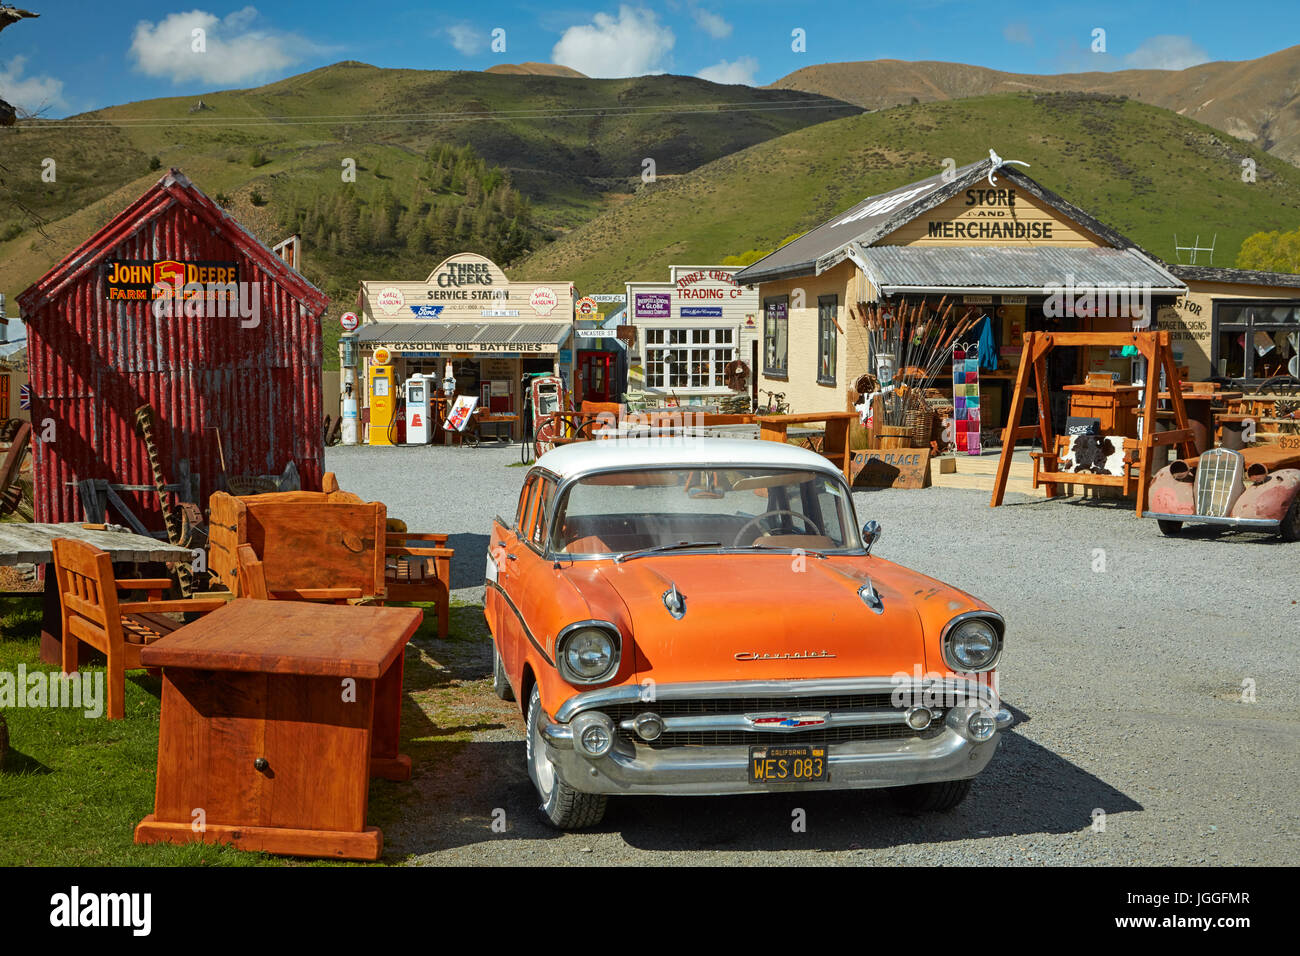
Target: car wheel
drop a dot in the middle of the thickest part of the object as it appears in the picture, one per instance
(1289, 529)
(1169, 529)
(931, 797)
(500, 686)
(563, 807)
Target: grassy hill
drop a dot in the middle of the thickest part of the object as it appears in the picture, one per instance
(1255, 100)
(1145, 171)
(572, 145)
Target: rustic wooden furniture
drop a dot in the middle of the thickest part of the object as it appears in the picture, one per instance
(11, 492)
(1046, 466)
(835, 444)
(275, 715)
(1114, 406)
(1154, 346)
(412, 566)
(91, 612)
(32, 544)
(417, 568)
(314, 546)
(1200, 399)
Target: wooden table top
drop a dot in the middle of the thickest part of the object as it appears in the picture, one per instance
(30, 543)
(1197, 396)
(289, 637)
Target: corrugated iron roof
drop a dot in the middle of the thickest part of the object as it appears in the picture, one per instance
(894, 269)
(1234, 276)
(495, 333)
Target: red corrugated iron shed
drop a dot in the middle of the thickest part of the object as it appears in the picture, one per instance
(93, 361)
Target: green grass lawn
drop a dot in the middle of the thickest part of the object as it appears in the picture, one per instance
(72, 788)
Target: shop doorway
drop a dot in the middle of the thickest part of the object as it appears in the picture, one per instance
(595, 372)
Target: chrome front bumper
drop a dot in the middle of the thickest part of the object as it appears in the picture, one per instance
(1262, 524)
(711, 770)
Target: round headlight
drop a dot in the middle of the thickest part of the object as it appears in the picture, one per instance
(589, 655)
(973, 645)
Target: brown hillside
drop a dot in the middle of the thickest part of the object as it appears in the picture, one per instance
(1255, 100)
(536, 69)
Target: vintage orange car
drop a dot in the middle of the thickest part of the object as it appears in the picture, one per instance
(702, 616)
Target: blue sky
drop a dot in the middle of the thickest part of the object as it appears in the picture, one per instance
(79, 56)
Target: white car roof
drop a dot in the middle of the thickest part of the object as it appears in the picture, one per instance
(583, 457)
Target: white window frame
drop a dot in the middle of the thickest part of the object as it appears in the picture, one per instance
(647, 347)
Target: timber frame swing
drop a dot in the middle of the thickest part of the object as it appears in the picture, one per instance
(1154, 346)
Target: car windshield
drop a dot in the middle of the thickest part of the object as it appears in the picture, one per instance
(625, 512)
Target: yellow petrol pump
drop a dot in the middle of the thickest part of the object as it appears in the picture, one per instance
(383, 397)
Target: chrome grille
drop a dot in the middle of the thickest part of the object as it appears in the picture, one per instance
(838, 703)
(1217, 475)
(740, 738)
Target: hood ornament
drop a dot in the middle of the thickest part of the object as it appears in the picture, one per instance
(675, 601)
(871, 597)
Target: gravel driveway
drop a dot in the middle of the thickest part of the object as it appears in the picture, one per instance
(1125, 662)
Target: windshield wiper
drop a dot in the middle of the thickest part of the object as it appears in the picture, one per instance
(628, 555)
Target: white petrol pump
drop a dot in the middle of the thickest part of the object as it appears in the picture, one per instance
(419, 422)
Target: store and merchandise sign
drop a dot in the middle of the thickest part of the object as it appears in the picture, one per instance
(989, 214)
(143, 281)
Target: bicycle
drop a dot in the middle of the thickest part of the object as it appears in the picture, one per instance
(776, 404)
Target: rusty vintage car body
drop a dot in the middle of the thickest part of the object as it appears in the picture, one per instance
(702, 616)
(1248, 489)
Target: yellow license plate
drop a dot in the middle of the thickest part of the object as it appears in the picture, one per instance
(788, 765)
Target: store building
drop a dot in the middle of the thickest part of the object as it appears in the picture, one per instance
(174, 304)
(467, 312)
(1223, 310)
(990, 237)
(688, 329)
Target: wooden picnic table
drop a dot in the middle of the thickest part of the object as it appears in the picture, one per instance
(275, 715)
(31, 544)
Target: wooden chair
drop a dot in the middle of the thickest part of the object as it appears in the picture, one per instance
(91, 612)
(419, 573)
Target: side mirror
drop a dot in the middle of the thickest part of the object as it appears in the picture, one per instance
(870, 534)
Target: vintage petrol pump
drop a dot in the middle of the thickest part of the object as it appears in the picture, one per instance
(383, 397)
(419, 420)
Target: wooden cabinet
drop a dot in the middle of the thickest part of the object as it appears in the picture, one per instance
(275, 714)
(1115, 406)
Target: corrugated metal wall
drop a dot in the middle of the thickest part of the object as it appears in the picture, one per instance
(93, 362)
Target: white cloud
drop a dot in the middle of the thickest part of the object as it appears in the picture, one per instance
(1018, 32)
(632, 44)
(235, 51)
(741, 70)
(29, 94)
(467, 39)
(711, 23)
(1167, 52)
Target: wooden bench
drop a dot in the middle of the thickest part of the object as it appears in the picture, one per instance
(1046, 468)
(91, 612)
(329, 546)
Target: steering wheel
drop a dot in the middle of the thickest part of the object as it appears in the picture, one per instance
(779, 511)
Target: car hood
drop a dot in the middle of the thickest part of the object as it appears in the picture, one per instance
(767, 616)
